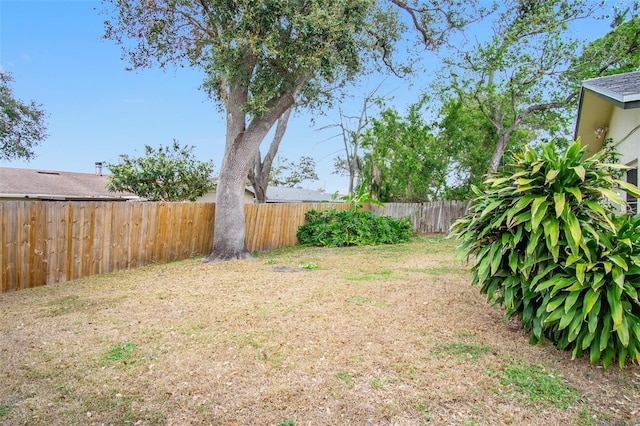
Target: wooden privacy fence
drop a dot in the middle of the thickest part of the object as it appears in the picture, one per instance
(426, 218)
(48, 242)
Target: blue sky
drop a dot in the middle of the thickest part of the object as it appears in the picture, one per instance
(98, 110)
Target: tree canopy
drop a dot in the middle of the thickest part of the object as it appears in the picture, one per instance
(259, 59)
(170, 173)
(22, 125)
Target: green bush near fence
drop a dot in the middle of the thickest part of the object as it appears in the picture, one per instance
(333, 228)
(548, 247)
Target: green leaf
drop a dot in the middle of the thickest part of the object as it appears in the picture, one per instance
(572, 232)
(551, 175)
(538, 211)
(580, 172)
(492, 206)
(613, 196)
(571, 300)
(554, 316)
(630, 291)
(576, 193)
(618, 276)
(597, 207)
(496, 258)
(553, 281)
(575, 327)
(551, 230)
(629, 188)
(605, 333)
(586, 341)
(607, 355)
(525, 181)
(513, 261)
(560, 202)
(580, 272)
(556, 302)
(623, 332)
(573, 152)
(595, 352)
(567, 318)
(615, 306)
(618, 260)
(589, 300)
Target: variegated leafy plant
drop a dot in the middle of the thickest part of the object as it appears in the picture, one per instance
(549, 246)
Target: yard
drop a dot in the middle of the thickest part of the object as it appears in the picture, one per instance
(299, 336)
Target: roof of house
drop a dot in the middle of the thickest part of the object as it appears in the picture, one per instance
(16, 183)
(622, 90)
(295, 195)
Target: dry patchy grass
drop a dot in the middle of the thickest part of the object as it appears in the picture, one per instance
(357, 336)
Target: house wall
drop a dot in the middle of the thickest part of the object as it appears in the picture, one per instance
(625, 132)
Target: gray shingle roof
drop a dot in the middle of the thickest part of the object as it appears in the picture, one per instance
(55, 185)
(622, 89)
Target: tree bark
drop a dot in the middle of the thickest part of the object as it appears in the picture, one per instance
(242, 143)
(259, 173)
(498, 152)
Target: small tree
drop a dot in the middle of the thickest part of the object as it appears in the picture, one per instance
(22, 125)
(167, 174)
(352, 127)
(404, 162)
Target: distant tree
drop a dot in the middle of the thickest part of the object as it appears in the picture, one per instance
(22, 125)
(470, 139)
(349, 162)
(526, 78)
(169, 173)
(404, 160)
(289, 174)
(617, 52)
(516, 79)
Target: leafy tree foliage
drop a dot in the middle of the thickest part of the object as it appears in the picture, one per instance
(550, 249)
(516, 78)
(167, 174)
(260, 58)
(22, 125)
(615, 53)
(289, 174)
(404, 161)
(470, 140)
(523, 84)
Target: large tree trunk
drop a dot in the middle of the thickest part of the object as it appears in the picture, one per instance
(229, 225)
(242, 143)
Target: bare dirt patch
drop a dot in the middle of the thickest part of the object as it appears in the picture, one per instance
(370, 335)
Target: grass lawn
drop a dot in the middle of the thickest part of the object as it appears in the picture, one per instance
(301, 336)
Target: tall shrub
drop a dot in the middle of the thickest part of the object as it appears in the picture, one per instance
(333, 228)
(550, 248)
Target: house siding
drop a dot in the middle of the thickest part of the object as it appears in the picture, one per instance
(625, 140)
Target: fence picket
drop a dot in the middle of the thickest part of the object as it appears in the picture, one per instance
(48, 242)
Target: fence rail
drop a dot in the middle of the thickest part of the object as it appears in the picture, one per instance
(45, 242)
(48, 242)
